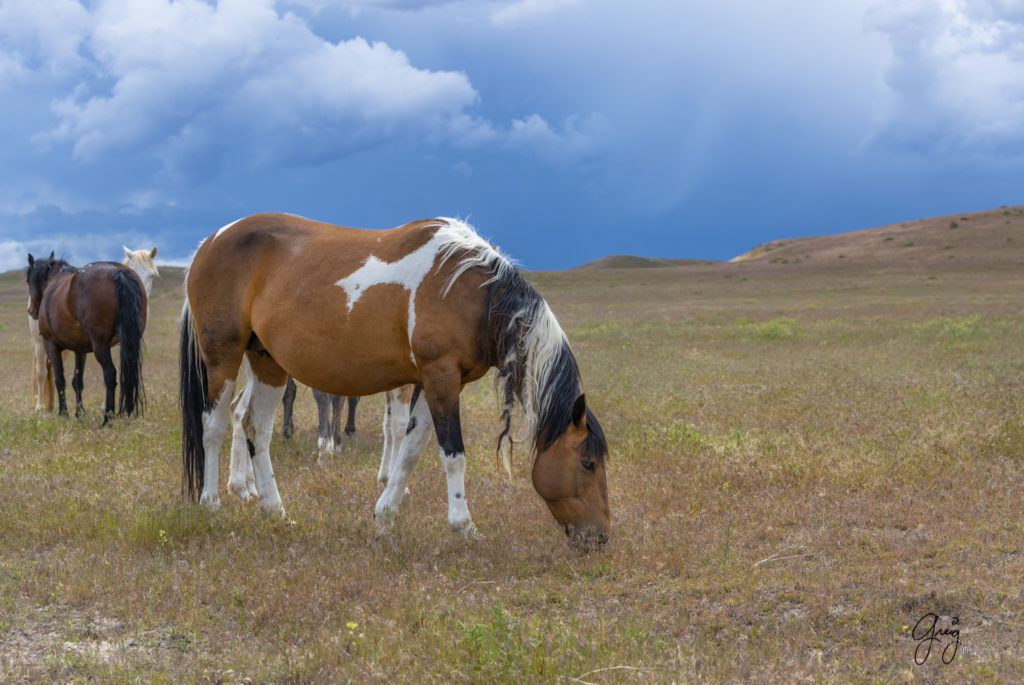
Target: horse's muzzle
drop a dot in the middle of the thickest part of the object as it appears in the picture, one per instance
(587, 538)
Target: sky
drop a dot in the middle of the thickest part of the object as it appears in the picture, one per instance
(563, 130)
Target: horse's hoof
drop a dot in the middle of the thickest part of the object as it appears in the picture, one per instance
(467, 530)
(383, 524)
(239, 490)
(287, 432)
(211, 502)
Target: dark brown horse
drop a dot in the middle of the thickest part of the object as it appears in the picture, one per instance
(87, 310)
(357, 312)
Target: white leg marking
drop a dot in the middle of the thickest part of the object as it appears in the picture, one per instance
(396, 420)
(458, 510)
(409, 452)
(265, 400)
(241, 480)
(324, 450)
(215, 424)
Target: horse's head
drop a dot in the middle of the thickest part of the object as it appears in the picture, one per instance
(141, 262)
(569, 474)
(36, 275)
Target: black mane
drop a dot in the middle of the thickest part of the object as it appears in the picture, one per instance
(515, 312)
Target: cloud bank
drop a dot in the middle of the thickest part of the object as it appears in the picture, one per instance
(956, 76)
(189, 82)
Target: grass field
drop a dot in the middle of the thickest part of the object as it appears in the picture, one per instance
(806, 460)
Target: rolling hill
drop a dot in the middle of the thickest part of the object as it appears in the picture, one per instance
(986, 238)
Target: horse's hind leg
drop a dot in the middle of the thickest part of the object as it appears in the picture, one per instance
(57, 362)
(78, 382)
(268, 381)
(241, 479)
(102, 352)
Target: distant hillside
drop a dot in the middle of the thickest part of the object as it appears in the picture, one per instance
(994, 236)
(626, 261)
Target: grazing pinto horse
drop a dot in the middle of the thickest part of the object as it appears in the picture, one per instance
(89, 310)
(356, 312)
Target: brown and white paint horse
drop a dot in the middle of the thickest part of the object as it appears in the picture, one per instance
(355, 312)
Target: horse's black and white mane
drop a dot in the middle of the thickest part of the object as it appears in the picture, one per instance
(523, 340)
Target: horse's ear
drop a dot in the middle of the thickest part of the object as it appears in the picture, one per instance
(579, 412)
(127, 252)
(51, 254)
(31, 261)
(152, 253)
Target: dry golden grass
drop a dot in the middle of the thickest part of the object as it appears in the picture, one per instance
(804, 462)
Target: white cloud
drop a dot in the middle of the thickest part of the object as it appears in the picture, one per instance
(527, 10)
(188, 81)
(190, 84)
(77, 249)
(44, 33)
(576, 140)
(956, 75)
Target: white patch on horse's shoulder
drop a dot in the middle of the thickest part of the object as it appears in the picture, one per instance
(408, 272)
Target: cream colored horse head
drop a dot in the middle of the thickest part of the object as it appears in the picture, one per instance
(141, 262)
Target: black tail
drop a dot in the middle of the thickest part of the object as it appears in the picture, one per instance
(131, 322)
(193, 384)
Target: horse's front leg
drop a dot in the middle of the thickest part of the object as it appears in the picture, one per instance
(444, 408)
(78, 382)
(409, 451)
(57, 362)
(102, 352)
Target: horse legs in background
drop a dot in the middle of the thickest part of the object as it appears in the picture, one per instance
(288, 403)
(53, 353)
(328, 408)
(102, 352)
(350, 423)
(42, 370)
(78, 382)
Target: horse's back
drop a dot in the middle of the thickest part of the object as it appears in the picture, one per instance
(330, 303)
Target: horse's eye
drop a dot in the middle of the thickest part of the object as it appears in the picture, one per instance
(588, 465)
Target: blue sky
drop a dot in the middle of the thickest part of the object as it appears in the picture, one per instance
(564, 130)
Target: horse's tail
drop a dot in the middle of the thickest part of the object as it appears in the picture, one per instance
(193, 384)
(131, 321)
